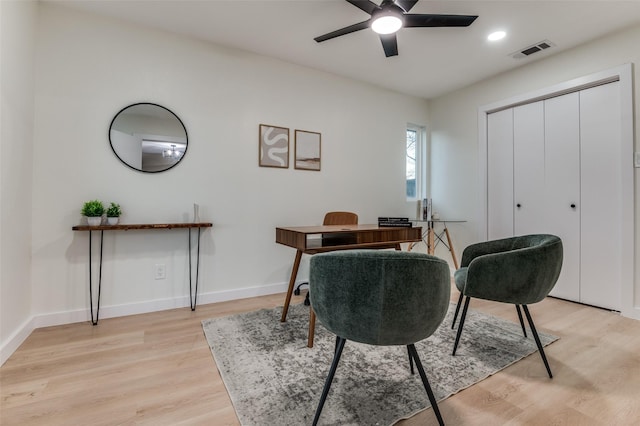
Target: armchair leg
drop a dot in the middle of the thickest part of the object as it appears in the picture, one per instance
(537, 339)
(455, 316)
(414, 354)
(332, 372)
(462, 318)
(410, 361)
(524, 331)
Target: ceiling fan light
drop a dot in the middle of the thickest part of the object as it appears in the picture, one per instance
(387, 24)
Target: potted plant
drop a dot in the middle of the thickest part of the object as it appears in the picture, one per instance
(93, 210)
(113, 213)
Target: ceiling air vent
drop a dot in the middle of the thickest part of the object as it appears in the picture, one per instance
(530, 50)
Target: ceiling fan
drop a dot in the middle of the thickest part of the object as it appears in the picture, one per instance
(392, 15)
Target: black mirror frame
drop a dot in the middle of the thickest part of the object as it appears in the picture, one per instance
(186, 135)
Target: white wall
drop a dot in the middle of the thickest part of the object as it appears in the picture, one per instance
(91, 67)
(454, 123)
(128, 147)
(17, 35)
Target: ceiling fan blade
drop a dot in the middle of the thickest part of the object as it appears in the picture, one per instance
(343, 31)
(406, 5)
(389, 44)
(365, 5)
(418, 20)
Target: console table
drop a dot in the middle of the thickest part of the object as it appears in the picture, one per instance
(319, 239)
(193, 293)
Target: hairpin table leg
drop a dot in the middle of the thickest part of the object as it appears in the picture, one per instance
(193, 295)
(97, 309)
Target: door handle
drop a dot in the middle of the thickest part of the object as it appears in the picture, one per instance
(573, 205)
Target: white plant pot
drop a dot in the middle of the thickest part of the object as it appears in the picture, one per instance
(94, 221)
(113, 220)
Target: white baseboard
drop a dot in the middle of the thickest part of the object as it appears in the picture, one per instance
(633, 312)
(83, 315)
(15, 340)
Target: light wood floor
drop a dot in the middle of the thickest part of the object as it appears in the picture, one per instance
(156, 369)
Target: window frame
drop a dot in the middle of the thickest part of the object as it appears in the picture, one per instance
(420, 161)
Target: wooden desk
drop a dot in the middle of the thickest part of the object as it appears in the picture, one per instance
(318, 239)
(193, 295)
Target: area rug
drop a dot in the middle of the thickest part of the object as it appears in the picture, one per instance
(274, 379)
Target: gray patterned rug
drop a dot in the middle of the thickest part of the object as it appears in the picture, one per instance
(274, 379)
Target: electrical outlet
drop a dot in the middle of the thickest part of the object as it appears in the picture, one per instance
(161, 271)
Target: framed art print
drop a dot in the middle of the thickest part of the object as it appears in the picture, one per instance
(273, 146)
(307, 151)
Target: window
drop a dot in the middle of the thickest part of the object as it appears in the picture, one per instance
(415, 162)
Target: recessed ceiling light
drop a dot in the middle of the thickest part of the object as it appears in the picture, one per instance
(495, 36)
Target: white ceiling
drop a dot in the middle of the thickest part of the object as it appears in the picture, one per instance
(431, 61)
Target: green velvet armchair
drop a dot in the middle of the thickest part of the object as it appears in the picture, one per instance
(379, 298)
(520, 270)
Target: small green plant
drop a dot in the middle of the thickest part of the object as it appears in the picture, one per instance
(93, 208)
(114, 210)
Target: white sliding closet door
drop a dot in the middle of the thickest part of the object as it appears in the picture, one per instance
(500, 176)
(529, 169)
(600, 152)
(565, 155)
(562, 186)
(554, 167)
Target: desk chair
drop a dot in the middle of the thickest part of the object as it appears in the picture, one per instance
(340, 218)
(406, 299)
(520, 270)
(331, 218)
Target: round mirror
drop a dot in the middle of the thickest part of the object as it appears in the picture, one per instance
(148, 137)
